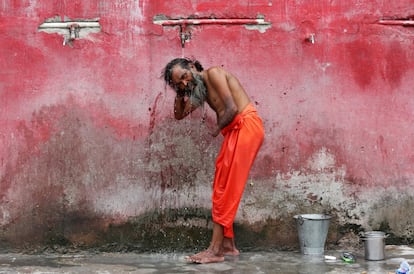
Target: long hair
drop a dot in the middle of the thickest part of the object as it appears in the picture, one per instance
(184, 63)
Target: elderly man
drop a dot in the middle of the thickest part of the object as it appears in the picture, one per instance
(242, 129)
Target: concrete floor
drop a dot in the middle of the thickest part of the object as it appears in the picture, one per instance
(248, 262)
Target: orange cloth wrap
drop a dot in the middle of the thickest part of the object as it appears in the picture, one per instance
(242, 140)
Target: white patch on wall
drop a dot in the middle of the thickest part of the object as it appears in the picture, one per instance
(71, 29)
(286, 194)
(321, 160)
(4, 216)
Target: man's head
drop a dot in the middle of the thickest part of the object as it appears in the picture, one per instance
(183, 76)
(183, 63)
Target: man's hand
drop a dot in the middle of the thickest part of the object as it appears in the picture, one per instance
(187, 105)
(182, 107)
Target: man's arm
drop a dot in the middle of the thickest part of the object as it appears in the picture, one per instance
(218, 81)
(182, 107)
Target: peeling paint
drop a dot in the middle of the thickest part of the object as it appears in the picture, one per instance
(260, 28)
(321, 160)
(71, 29)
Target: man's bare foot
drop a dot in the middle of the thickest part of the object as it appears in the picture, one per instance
(229, 247)
(231, 252)
(205, 257)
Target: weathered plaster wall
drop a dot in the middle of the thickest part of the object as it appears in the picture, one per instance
(91, 154)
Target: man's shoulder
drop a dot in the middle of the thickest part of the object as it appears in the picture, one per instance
(216, 71)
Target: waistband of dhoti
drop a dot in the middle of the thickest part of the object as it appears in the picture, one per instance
(249, 109)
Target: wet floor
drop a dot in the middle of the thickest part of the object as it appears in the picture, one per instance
(248, 262)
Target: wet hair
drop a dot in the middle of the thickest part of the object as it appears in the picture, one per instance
(182, 62)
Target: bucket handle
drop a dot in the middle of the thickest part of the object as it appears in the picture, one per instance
(301, 220)
(362, 236)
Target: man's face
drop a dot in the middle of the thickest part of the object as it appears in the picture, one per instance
(187, 82)
(182, 80)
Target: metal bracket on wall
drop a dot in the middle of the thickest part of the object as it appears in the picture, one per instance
(71, 30)
(185, 33)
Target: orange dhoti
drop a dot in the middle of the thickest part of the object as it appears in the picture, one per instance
(242, 140)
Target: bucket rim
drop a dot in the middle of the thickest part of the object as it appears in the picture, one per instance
(313, 216)
(373, 234)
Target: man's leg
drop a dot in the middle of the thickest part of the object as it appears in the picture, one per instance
(214, 253)
(229, 247)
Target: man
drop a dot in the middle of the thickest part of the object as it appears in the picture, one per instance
(243, 133)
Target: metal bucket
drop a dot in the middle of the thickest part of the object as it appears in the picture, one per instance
(374, 244)
(312, 232)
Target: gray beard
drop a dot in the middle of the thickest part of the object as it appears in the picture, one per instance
(198, 94)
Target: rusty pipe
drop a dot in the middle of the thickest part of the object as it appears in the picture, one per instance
(405, 23)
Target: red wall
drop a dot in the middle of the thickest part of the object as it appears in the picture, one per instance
(88, 139)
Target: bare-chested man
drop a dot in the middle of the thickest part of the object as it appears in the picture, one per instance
(243, 133)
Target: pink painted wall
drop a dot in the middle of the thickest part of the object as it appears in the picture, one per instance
(88, 139)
